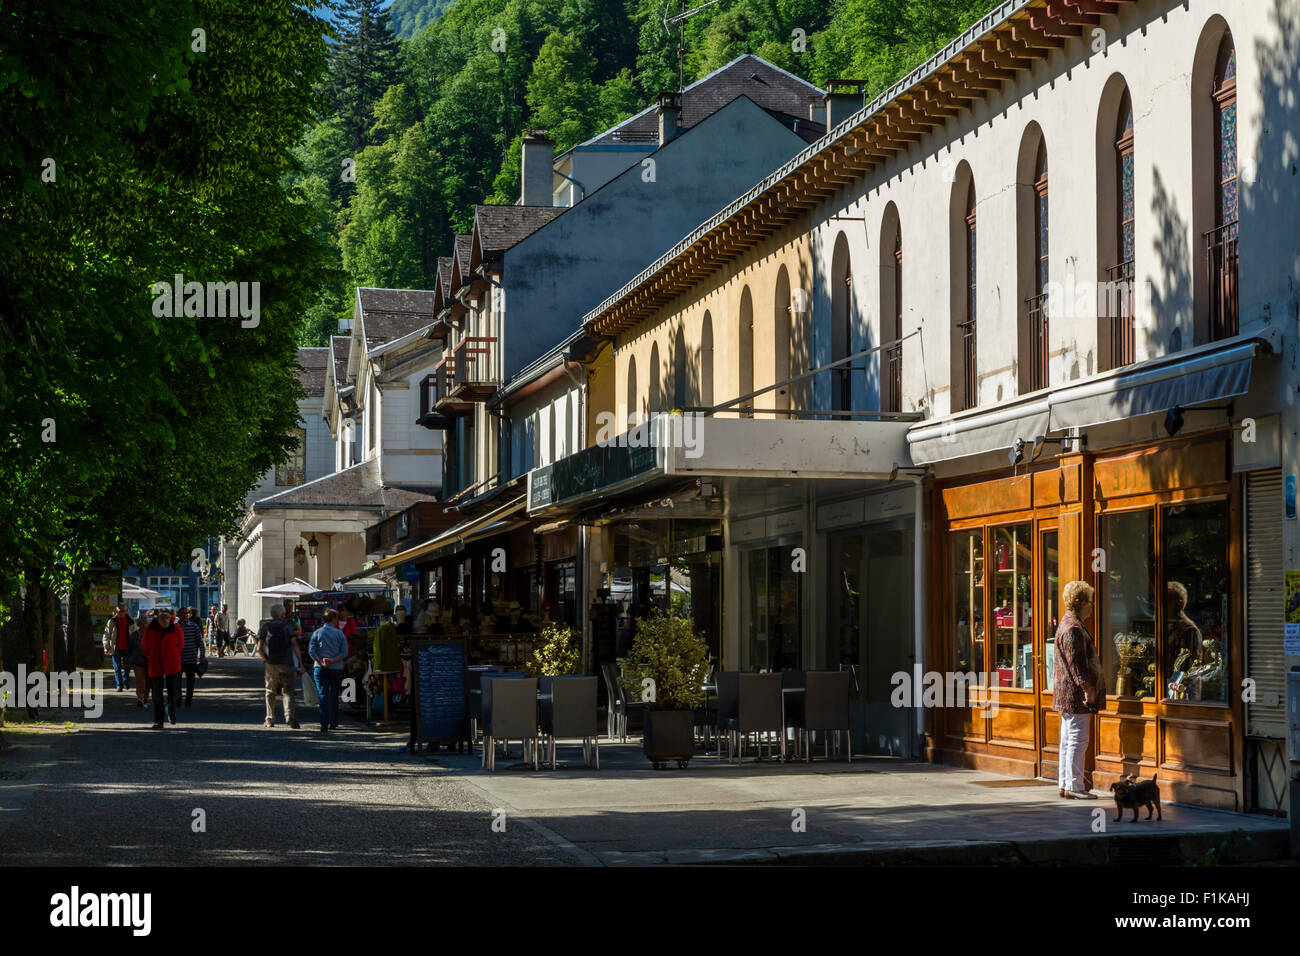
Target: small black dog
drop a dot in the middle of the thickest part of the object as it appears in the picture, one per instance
(1131, 793)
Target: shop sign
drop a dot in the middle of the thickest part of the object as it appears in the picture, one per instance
(785, 523)
(587, 471)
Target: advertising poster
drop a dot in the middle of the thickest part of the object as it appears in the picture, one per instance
(104, 596)
(1291, 625)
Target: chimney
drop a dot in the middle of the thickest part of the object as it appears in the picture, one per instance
(670, 115)
(817, 112)
(537, 169)
(843, 99)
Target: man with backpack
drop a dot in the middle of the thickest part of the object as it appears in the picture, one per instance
(275, 646)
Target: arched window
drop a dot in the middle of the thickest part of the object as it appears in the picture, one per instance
(891, 310)
(1032, 244)
(706, 362)
(1221, 241)
(781, 336)
(633, 410)
(746, 357)
(1122, 344)
(656, 381)
(679, 369)
(964, 368)
(841, 324)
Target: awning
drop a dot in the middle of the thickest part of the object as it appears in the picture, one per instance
(1212, 376)
(975, 433)
(451, 540)
(1211, 373)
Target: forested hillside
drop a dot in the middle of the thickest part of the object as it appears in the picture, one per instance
(420, 129)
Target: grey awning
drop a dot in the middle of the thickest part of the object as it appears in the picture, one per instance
(978, 432)
(1213, 375)
(1210, 373)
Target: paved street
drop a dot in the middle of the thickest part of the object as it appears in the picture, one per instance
(116, 792)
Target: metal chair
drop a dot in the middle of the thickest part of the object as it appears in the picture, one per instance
(725, 712)
(706, 715)
(485, 702)
(620, 707)
(510, 711)
(758, 709)
(571, 712)
(792, 704)
(826, 709)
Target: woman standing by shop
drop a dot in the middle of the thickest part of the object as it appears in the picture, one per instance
(1078, 687)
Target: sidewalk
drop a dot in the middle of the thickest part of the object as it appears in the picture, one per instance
(875, 811)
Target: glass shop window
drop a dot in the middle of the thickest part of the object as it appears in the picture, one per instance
(967, 553)
(1194, 542)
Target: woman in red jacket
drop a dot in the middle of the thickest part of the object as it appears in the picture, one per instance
(162, 644)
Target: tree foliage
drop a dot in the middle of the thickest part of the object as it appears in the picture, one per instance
(135, 435)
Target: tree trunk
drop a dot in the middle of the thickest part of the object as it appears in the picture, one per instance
(60, 656)
(86, 649)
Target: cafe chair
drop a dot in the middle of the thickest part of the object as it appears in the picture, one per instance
(620, 707)
(510, 713)
(758, 710)
(485, 703)
(725, 709)
(792, 691)
(826, 709)
(571, 712)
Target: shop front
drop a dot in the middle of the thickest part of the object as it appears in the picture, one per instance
(1156, 529)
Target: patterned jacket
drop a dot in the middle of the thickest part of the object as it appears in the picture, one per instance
(1076, 668)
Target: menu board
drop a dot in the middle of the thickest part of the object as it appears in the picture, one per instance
(441, 698)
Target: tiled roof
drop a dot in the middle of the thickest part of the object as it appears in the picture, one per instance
(312, 364)
(464, 245)
(355, 487)
(500, 227)
(389, 314)
(769, 86)
(341, 345)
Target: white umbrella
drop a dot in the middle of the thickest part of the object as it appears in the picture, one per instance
(133, 592)
(295, 588)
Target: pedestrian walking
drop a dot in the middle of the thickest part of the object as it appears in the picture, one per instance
(117, 639)
(193, 652)
(221, 620)
(275, 646)
(329, 648)
(1077, 690)
(162, 643)
(139, 661)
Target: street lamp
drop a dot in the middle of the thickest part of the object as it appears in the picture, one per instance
(312, 546)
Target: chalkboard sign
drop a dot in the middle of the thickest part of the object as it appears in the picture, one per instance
(440, 698)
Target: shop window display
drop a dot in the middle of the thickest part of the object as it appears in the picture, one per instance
(1127, 620)
(1012, 607)
(1194, 541)
(1183, 655)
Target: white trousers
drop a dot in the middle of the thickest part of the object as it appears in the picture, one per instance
(1074, 744)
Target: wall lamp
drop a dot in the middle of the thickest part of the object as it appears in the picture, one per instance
(1174, 417)
(922, 472)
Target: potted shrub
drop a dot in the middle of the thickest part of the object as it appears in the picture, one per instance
(556, 654)
(668, 652)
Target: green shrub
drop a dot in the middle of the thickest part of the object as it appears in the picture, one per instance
(557, 653)
(668, 651)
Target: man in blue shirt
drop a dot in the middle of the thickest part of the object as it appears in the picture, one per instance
(329, 649)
